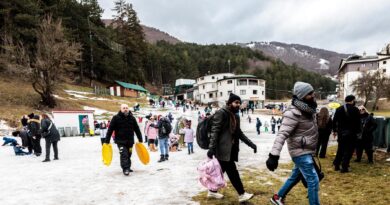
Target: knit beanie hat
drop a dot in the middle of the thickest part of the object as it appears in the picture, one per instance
(31, 115)
(233, 98)
(301, 89)
(349, 98)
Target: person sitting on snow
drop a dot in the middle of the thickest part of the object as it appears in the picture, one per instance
(173, 143)
(17, 148)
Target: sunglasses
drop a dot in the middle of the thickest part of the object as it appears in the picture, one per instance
(362, 109)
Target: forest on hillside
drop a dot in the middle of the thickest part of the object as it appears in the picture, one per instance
(120, 51)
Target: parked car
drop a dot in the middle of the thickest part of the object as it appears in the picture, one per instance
(270, 106)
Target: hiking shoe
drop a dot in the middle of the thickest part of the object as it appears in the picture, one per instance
(126, 172)
(277, 200)
(46, 160)
(344, 170)
(244, 197)
(214, 195)
(130, 170)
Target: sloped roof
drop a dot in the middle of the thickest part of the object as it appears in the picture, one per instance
(132, 86)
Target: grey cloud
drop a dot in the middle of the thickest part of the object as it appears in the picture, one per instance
(349, 26)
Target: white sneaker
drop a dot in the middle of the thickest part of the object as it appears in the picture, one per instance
(244, 197)
(214, 195)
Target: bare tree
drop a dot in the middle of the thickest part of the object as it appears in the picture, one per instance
(364, 86)
(381, 87)
(54, 57)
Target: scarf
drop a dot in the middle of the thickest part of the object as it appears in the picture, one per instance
(304, 107)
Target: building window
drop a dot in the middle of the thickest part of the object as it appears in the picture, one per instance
(210, 95)
(242, 92)
(242, 82)
(203, 87)
(262, 92)
(254, 92)
(253, 82)
(204, 96)
(202, 78)
(384, 62)
(212, 77)
(220, 94)
(384, 70)
(229, 92)
(229, 82)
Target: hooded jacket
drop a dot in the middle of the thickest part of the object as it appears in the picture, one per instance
(51, 134)
(34, 125)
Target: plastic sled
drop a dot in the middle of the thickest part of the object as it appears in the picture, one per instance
(142, 153)
(107, 154)
(91, 132)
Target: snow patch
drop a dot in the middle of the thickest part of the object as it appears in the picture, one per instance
(4, 128)
(78, 92)
(97, 110)
(251, 45)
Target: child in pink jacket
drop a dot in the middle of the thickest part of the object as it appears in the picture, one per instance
(189, 136)
(152, 133)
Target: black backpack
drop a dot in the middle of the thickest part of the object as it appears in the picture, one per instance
(166, 128)
(202, 132)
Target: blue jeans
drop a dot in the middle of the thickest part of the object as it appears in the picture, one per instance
(163, 146)
(190, 147)
(303, 164)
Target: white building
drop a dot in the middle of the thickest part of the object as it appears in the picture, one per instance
(217, 88)
(353, 67)
(72, 119)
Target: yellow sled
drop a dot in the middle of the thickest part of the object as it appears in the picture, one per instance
(107, 154)
(142, 153)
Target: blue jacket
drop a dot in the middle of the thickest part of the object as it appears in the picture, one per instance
(8, 140)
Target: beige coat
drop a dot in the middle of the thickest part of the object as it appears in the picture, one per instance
(299, 130)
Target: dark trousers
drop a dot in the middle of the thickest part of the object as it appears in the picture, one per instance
(273, 129)
(55, 148)
(146, 139)
(30, 146)
(232, 172)
(365, 145)
(151, 141)
(258, 130)
(36, 143)
(102, 140)
(322, 145)
(125, 152)
(344, 153)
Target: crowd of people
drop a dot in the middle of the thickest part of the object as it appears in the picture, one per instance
(34, 128)
(305, 130)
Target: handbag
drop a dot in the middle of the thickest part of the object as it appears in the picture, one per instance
(45, 134)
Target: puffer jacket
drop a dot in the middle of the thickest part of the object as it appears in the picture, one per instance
(150, 131)
(299, 130)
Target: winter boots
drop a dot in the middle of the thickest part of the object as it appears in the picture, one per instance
(162, 158)
(152, 147)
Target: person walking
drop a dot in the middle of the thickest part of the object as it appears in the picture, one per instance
(299, 129)
(103, 131)
(225, 135)
(279, 123)
(324, 130)
(365, 143)
(85, 123)
(51, 136)
(125, 125)
(346, 126)
(34, 124)
(258, 125)
(273, 124)
(266, 125)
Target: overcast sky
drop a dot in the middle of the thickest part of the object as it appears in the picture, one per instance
(346, 26)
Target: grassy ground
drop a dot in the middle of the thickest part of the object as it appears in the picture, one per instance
(18, 98)
(365, 184)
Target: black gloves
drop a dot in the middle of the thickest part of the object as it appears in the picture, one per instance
(254, 147)
(210, 153)
(272, 162)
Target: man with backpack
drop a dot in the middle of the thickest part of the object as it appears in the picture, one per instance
(347, 124)
(164, 129)
(124, 124)
(225, 133)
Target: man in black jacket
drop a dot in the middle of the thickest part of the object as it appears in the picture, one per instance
(34, 125)
(346, 123)
(225, 133)
(124, 124)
